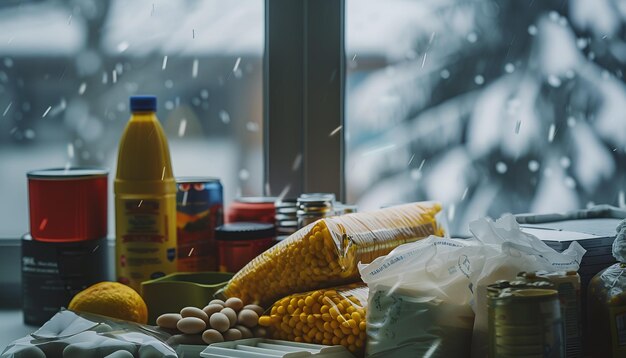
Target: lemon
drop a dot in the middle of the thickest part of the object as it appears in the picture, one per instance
(111, 299)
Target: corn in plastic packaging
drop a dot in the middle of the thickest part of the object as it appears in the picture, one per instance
(328, 316)
(326, 252)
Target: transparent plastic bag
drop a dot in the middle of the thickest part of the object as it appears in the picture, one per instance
(69, 334)
(508, 250)
(326, 252)
(606, 304)
(328, 316)
(419, 299)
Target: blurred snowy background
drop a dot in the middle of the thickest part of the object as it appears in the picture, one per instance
(489, 106)
(68, 67)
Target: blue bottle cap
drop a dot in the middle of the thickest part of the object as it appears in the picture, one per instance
(143, 103)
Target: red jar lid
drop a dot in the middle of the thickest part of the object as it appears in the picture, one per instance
(68, 204)
(252, 209)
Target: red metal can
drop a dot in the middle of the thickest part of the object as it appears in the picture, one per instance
(252, 209)
(68, 205)
(199, 210)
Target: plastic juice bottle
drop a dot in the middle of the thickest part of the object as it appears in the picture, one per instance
(145, 199)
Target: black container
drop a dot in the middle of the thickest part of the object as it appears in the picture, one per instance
(53, 272)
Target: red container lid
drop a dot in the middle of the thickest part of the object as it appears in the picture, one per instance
(68, 204)
(252, 209)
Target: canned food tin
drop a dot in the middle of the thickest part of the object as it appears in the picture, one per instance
(568, 286)
(53, 272)
(199, 210)
(524, 320)
(314, 206)
(68, 204)
(286, 217)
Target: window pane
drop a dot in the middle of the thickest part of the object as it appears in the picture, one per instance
(67, 69)
(489, 106)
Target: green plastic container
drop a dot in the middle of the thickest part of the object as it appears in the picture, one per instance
(169, 294)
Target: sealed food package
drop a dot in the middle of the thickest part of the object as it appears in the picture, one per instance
(419, 299)
(328, 316)
(606, 305)
(508, 250)
(69, 334)
(326, 252)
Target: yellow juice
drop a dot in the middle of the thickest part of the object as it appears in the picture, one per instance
(145, 199)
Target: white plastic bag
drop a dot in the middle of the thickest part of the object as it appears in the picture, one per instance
(419, 299)
(508, 251)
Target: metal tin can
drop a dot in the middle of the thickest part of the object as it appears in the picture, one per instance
(524, 319)
(199, 210)
(53, 272)
(286, 217)
(68, 204)
(314, 206)
(568, 286)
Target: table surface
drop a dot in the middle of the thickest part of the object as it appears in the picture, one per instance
(12, 327)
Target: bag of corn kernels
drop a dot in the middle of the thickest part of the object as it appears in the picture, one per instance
(326, 252)
(328, 316)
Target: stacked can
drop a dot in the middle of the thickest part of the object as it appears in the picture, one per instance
(568, 286)
(314, 206)
(524, 320)
(199, 210)
(66, 250)
(286, 217)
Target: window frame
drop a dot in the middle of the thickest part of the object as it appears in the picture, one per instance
(304, 77)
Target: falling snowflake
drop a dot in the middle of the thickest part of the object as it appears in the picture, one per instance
(82, 88)
(164, 63)
(509, 68)
(182, 127)
(532, 30)
(551, 133)
(46, 112)
(244, 175)
(472, 37)
(169, 83)
(570, 182)
(554, 81)
(70, 150)
(571, 122)
(194, 68)
(501, 167)
(335, 131)
(445, 74)
(252, 126)
(479, 80)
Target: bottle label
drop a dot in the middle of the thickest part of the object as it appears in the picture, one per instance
(145, 240)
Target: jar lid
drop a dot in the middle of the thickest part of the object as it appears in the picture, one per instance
(193, 180)
(67, 173)
(244, 231)
(257, 199)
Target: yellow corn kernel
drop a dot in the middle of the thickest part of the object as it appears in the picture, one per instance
(264, 321)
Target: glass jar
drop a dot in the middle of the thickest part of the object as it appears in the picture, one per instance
(606, 312)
